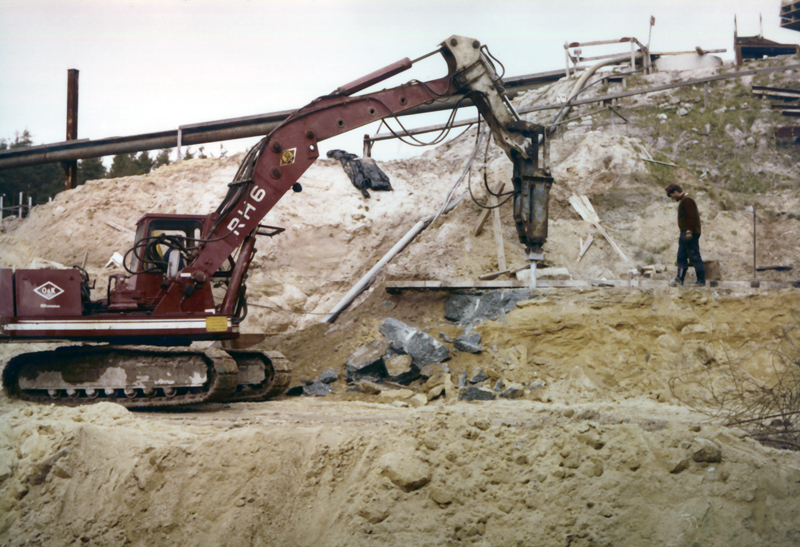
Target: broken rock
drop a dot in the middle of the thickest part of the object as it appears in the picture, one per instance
(473, 393)
(478, 376)
(469, 343)
(367, 361)
(328, 377)
(316, 389)
(512, 392)
(423, 348)
(401, 370)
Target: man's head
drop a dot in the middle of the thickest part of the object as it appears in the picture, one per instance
(674, 191)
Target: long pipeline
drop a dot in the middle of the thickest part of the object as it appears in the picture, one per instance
(216, 131)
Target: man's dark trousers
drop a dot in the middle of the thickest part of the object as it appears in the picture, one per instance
(689, 251)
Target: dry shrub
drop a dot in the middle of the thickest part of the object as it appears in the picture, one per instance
(769, 411)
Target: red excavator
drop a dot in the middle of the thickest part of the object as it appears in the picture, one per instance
(137, 338)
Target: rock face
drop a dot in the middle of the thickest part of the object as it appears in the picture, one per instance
(423, 348)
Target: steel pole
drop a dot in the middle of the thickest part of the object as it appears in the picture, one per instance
(71, 166)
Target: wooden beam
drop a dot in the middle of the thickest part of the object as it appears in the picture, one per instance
(467, 284)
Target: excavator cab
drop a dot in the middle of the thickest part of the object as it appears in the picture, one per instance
(164, 243)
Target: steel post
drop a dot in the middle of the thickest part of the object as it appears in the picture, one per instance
(71, 166)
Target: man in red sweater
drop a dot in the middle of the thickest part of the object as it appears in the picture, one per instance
(689, 240)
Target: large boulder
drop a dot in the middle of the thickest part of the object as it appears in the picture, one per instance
(423, 348)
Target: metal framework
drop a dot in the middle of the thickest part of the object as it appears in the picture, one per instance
(790, 14)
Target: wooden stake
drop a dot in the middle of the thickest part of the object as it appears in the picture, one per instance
(485, 213)
(497, 228)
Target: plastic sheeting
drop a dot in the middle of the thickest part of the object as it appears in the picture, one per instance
(364, 173)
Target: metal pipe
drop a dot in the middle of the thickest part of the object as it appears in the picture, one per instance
(364, 282)
(220, 130)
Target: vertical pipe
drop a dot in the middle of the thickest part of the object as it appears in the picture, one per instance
(367, 147)
(30, 204)
(71, 167)
(566, 56)
(180, 137)
(633, 56)
(1, 208)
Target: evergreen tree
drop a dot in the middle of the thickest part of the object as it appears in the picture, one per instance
(123, 165)
(188, 155)
(144, 163)
(162, 158)
(40, 182)
(90, 169)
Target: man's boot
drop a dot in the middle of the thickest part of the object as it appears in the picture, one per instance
(701, 279)
(679, 278)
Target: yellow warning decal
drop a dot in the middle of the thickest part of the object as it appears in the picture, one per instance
(287, 157)
(216, 324)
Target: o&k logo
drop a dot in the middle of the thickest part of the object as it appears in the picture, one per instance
(48, 290)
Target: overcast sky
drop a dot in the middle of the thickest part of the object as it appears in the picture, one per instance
(155, 65)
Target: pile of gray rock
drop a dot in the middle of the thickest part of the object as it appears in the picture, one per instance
(406, 354)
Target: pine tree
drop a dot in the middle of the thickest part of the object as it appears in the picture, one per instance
(144, 163)
(123, 165)
(40, 182)
(162, 158)
(90, 169)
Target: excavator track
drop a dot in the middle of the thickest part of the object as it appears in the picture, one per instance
(262, 375)
(146, 376)
(133, 376)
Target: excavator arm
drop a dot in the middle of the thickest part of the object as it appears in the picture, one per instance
(275, 165)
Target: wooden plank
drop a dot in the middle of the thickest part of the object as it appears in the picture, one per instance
(494, 275)
(485, 213)
(585, 209)
(585, 247)
(120, 228)
(466, 284)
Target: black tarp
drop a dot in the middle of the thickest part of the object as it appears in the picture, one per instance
(364, 173)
